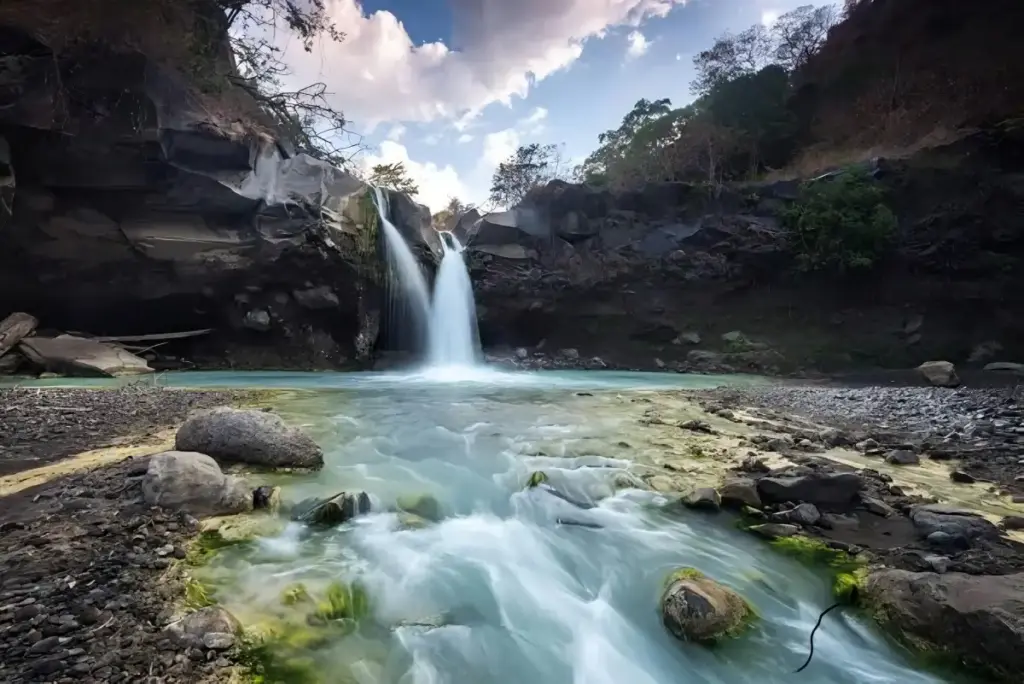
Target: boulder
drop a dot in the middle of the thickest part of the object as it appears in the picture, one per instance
(209, 620)
(902, 457)
(739, 493)
(423, 505)
(939, 373)
(193, 483)
(805, 514)
(333, 510)
(703, 499)
(877, 506)
(958, 524)
(832, 491)
(977, 619)
(248, 436)
(321, 297)
(775, 530)
(70, 355)
(697, 608)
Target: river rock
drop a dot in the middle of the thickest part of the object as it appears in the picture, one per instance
(902, 457)
(422, 505)
(72, 355)
(831, 491)
(703, 499)
(959, 524)
(1013, 522)
(805, 514)
(739, 493)
(939, 373)
(321, 297)
(978, 619)
(209, 620)
(194, 483)
(696, 608)
(1006, 367)
(775, 530)
(333, 510)
(248, 436)
(877, 506)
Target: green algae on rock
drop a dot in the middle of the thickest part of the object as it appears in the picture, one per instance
(423, 505)
(295, 593)
(343, 602)
(697, 608)
(536, 478)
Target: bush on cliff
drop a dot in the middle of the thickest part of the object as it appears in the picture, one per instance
(840, 225)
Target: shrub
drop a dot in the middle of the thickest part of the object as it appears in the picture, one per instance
(840, 225)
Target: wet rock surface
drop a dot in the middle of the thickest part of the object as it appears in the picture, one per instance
(86, 589)
(39, 426)
(248, 436)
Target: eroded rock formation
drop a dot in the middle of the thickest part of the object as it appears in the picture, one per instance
(137, 198)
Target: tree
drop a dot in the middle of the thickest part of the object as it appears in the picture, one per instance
(304, 116)
(447, 217)
(528, 167)
(797, 35)
(613, 146)
(393, 176)
(732, 56)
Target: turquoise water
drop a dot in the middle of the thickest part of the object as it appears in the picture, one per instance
(497, 591)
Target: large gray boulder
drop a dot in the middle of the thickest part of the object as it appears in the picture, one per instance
(248, 436)
(977, 619)
(955, 522)
(194, 483)
(939, 373)
(833, 491)
(80, 356)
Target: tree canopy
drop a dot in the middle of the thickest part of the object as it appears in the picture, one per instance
(528, 167)
(393, 176)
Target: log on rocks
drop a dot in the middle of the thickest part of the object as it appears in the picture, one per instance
(78, 356)
(14, 329)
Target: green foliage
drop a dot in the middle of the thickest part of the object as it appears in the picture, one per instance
(393, 176)
(530, 166)
(839, 225)
(197, 594)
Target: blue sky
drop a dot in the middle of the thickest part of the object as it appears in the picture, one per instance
(450, 87)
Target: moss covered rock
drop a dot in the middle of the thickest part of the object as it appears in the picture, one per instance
(422, 505)
(333, 510)
(536, 478)
(697, 608)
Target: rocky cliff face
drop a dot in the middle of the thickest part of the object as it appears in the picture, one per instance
(133, 202)
(672, 276)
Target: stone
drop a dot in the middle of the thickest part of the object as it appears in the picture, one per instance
(877, 506)
(703, 499)
(248, 436)
(775, 530)
(522, 353)
(70, 355)
(659, 363)
(978, 619)
(266, 498)
(1013, 522)
(322, 297)
(570, 354)
(1005, 367)
(209, 620)
(902, 457)
(739, 493)
(753, 464)
(257, 319)
(687, 338)
(929, 519)
(334, 510)
(984, 351)
(218, 641)
(939, 373)
(939, 564)
(697, 608)
(831, 491)
(866, 446)
(193, 482)
(805, 514)
(423, 505)
(961, 477)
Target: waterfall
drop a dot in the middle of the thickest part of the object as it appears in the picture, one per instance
(453, 338)
(406, 270)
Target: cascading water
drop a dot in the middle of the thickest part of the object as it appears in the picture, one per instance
(407, 271)
(452, 329)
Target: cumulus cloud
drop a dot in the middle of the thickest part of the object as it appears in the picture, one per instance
(465, 138)
(501, 48)
(396, 132)
(436, 183)
(638, 44)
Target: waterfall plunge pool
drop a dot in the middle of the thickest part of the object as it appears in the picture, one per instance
(497, 591)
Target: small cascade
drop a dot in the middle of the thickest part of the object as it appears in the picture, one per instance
(407, 275)
(453, 336)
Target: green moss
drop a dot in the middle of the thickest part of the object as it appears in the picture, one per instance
(536, 478)
(207, 544)
(847, 587)
(267, 664)
(197, 594)
(343, 602)
(683, 574)
(423, 505)
(815, 552)
(295, 593)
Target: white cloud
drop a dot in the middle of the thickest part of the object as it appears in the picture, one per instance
(378, 74)
(436, 183)
(769, 17)
(498, 147)
(396, 132)
(465, 138)
(638, 45)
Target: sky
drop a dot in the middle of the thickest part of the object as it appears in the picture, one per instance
(452, 87)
